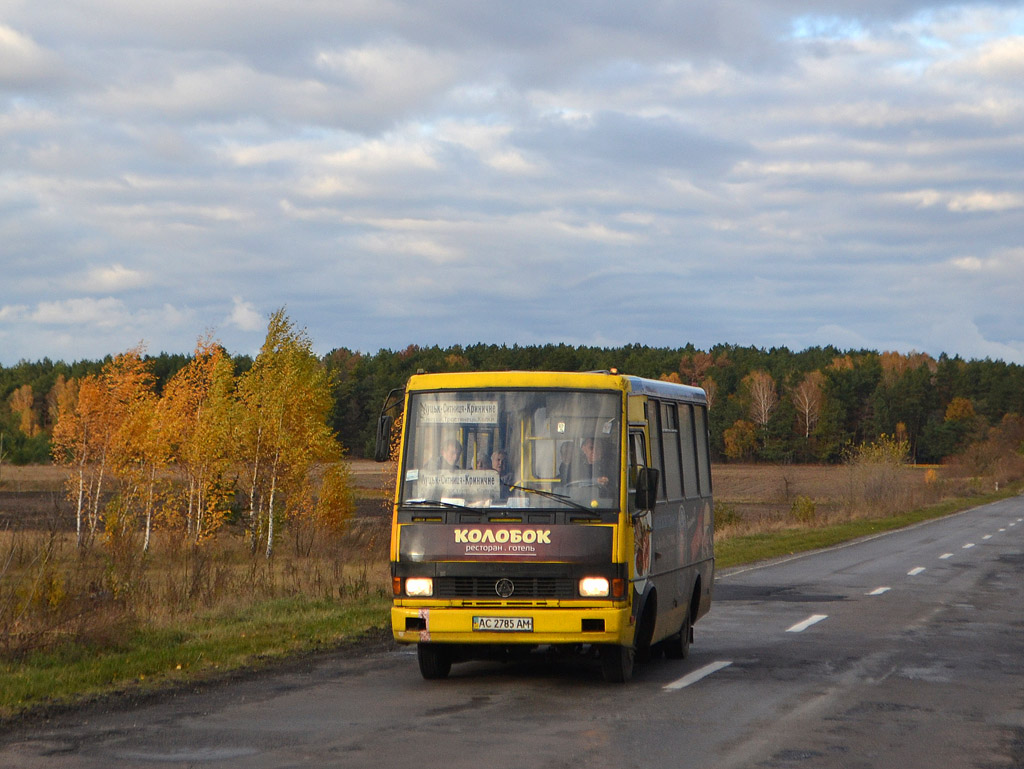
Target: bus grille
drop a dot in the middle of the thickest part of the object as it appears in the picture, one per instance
(525, 587)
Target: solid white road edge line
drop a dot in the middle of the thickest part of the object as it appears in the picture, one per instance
(800, 627)
(696, 675)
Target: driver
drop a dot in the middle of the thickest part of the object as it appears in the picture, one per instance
(595, 465)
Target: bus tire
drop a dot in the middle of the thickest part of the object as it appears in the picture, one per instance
(677, 647)
(617, 663)
(435, 661)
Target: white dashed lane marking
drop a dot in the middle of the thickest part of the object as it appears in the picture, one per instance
(879, 591)
(915, 571)
(800, 627)
(696, 675)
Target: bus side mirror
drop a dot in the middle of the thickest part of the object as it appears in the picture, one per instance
(646, 488)
(382, 451)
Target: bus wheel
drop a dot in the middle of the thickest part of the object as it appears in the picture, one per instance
(677, 647)
(435, 661)
(617, 663)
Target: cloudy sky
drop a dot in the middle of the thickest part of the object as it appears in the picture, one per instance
(395, 172)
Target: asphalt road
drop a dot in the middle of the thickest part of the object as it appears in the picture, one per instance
(904, 651)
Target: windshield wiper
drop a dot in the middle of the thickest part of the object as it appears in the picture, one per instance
(552, 495)
(436, 503)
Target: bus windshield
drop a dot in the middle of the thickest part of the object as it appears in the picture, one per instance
(549, 449)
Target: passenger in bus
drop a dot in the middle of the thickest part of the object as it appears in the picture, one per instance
(451, 452)
(483, 460)
(500, 464)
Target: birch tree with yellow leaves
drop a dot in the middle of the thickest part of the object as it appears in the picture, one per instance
(286, 401)
(197, 431)
(101, 431)
(80, 440)
(133, 454)
(808, 397)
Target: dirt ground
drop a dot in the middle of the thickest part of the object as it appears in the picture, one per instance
(33, 496)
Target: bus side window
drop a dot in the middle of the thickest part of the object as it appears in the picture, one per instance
(673, 487)
(654, 430)
(703, 456)
(689, 450)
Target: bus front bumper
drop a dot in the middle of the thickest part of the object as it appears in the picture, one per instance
(463, 625)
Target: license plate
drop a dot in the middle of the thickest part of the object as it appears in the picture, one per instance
(504, 624)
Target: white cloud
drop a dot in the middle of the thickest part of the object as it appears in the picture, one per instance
(102, 313)
(1003, 58)
(391, 244)
(10, 313)
(392, 153)
(23, 61)
(490, 143)
(113, 278)
(244, 316)
(969, 263)
(391, 73)
(1007, 263)
(986, 201)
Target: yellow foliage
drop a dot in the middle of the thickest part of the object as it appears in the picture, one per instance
(22, 403)
(740, 439)
(960, 410)
(336, 500)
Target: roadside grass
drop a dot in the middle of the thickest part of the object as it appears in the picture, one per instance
(147, 658)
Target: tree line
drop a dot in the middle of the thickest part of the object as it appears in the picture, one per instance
(769, 405)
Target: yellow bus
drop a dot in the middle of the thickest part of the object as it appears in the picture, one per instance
(570, 511)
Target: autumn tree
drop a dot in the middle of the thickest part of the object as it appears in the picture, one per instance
(740, 439)
(58, 394)
(287, 401)
(130, 409)
(198, 413)
(960, 410)
(695, 366)
(78, 441)
(808, 397)
(22, 403)
(762, 396)
(101, 423)
(711, 390)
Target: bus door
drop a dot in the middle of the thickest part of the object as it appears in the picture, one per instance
(640, 510)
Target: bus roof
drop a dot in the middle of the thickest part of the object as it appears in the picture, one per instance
(594, 380)
(671, 390)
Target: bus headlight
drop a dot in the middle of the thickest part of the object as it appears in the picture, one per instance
(594, 587)
(419, 587)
